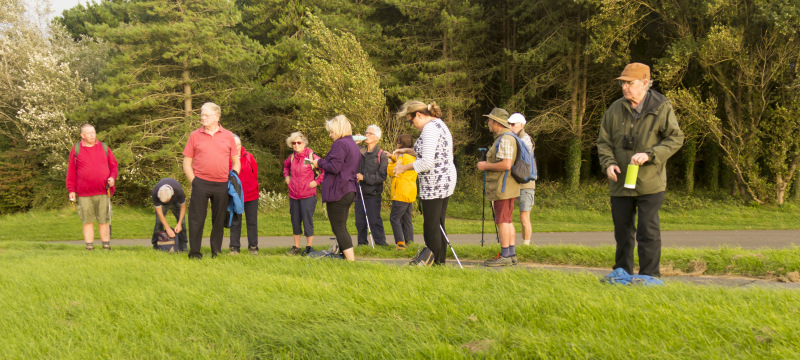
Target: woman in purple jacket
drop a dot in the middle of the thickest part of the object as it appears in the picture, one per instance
(339, 186)
(303, 182)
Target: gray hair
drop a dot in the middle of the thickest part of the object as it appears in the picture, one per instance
(165, 193)
(375, 129)
(213, 107)
(294, 136)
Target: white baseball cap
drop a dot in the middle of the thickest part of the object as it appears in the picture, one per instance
(516, 118)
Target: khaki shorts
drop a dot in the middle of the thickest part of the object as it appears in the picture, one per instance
(94, 207)
(526, 199)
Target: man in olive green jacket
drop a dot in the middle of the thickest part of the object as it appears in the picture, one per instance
(639, 129)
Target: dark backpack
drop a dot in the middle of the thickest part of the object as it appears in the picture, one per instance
(165, 243)
(424, 258)
(524, 168)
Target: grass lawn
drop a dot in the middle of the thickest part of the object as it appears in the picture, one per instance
(63, 302)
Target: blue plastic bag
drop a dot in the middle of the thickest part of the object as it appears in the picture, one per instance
(621, 277)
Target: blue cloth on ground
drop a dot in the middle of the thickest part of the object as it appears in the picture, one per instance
(621, 277)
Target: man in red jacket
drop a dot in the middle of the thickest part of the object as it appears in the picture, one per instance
(90, 169)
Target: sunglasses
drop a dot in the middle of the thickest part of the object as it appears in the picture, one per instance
(296, 142)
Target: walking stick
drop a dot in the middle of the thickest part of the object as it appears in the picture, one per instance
(108, 192)
(369, 230)
(451, 246)
(483, 201)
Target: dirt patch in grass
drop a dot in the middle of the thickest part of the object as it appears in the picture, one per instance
(478, 346)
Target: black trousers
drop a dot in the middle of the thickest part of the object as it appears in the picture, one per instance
(176, 211)
(251, 217)
(646, 232)
(337, 214)
(202, 192)
(373, 205)
(433, 214)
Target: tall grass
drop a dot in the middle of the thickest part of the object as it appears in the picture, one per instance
(60, 301)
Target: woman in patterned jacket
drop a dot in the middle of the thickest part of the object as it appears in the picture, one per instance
(435, 168)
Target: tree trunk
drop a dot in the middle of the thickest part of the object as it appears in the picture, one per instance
(573, 163)
(690, 155)
(780, 189)
(187, 90)
(796, 187)
(712, 168)
(586, 164)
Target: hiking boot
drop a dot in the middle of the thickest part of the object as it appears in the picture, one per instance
(253, 250)
(89, 247)
(514, 260)
(234, 251)
(400, 247)
(106, 245)
(308, 250)
(294, 251)
(499, 261)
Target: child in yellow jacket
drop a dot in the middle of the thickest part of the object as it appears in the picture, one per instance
(404, 193)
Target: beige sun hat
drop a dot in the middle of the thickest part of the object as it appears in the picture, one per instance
(635, 71)
(500, 116)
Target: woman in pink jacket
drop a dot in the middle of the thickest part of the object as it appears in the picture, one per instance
(303, 181)
(249, 177)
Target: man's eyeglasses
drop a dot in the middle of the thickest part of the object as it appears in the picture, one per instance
(296, 142)
(629, 83)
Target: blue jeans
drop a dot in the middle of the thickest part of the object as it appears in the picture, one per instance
(400, 218)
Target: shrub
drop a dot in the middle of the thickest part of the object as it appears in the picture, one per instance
(18, 174)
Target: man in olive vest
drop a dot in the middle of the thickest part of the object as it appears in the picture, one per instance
(501, 188)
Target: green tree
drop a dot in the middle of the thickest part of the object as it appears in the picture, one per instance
(168, 57)
(335, 77)
(45, 76)
(438, 53)
(560, 80)
(746, 52)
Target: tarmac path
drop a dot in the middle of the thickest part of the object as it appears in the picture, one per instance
(746, 239)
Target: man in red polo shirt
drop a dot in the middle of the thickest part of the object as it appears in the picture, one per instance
(205, 163)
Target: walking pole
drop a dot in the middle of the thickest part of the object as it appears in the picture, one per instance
(451, 246)
(494, 220)
(108, 192)
(483, 201)
(369, 231)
